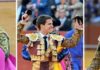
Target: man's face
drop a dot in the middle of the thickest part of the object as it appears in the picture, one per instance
(62, 14)
(48, 26)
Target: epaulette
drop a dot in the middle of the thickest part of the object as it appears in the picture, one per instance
(56, 37)
(32, 36)
(99, 38)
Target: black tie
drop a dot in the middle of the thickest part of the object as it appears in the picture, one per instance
(45, 42)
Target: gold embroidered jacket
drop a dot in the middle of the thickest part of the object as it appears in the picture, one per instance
(36, 47)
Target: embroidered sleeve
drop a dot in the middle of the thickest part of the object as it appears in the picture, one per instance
(20, 28)
(28, 37)
(4, 43)
(73, 40)
(23, 39)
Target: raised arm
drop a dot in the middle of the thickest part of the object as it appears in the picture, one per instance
(20, 36)
(78, 26)
(73, 40)
(76, 6)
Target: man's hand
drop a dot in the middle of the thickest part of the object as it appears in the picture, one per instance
(25, 17)
(78, 25)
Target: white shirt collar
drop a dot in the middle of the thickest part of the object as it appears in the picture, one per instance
(42, 35)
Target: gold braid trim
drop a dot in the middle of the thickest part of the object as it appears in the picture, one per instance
(73, 40)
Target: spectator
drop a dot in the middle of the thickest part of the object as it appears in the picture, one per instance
(63, 5)
(76, 7)
(40, 7)
(65, 22)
